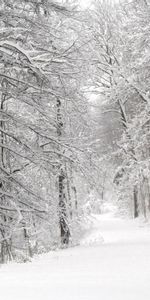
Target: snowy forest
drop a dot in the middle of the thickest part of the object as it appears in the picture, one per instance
(74, 149)
(74, 119)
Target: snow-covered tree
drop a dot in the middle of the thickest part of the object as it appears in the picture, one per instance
(43, 118)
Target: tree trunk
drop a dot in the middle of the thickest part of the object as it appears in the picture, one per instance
(6, 253)
(64, 228)
(135, 199)
(63, 220)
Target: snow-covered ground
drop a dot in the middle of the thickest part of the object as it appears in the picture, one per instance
(112, 263)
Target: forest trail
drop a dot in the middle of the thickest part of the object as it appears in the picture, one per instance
(112, 263)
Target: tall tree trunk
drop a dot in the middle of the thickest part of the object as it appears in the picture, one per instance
(6, 253)
(135, 201)
(63, 218)
(143, 189)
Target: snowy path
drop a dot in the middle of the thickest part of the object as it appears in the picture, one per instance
(115, 267)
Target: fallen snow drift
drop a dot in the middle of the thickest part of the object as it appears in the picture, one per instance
(112, 263)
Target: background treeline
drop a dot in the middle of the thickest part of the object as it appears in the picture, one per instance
(121, 68)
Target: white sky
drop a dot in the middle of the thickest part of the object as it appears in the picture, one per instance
(85, 3)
